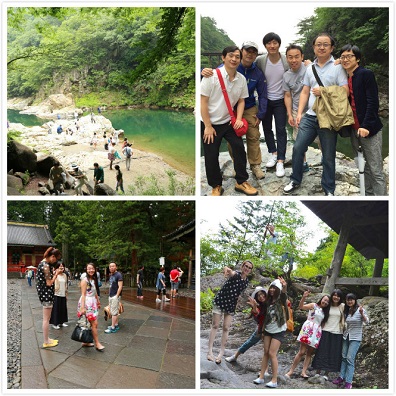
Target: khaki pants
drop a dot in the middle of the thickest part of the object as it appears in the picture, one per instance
(252, 137)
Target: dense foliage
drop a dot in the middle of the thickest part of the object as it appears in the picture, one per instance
(243, 238)
(114, 56)
(127, 232)
(366, 27)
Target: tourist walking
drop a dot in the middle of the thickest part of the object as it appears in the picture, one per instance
(119, 180)
(115, 291)
(56, 176)
(161, 286)
(29, 274)
(274, 330)
(111, 155)
(328, 354)
(139, 282)
(46, 278)
(81, 179)
(311, 332)
(355, 317)
(89, 304)
(94, 141)
(59, 311)
(225, 303)
(127, 151)
(259, 310)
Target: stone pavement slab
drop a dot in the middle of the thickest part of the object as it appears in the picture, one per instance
(152, 350)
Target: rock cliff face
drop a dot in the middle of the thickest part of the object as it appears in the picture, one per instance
(371, 369)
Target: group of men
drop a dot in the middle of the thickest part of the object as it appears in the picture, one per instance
(286, 90)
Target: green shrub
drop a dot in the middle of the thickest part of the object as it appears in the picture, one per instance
(206, 300)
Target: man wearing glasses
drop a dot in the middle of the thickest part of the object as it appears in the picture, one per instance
(308, 125)
(368, 126)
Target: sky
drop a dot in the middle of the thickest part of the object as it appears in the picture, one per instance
(225, 210)
(257, 19)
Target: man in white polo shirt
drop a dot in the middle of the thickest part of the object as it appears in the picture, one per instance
(215, 124)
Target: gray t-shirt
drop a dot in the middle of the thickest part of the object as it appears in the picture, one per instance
(293, 82)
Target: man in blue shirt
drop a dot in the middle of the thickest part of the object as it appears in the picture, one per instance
(308, 125)
(115, 291)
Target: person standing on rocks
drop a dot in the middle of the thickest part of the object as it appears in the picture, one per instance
(98, 174)
(127, 151)
(308, 125)
(215, 122)
(225, 303)
(46, 278)
(253, 114)
(119, 180)
(56, 177)
(274, 330)
(111, 154)
(259, 310)
(367, 129)
(328, 354)
(355, 317)
(311, 332)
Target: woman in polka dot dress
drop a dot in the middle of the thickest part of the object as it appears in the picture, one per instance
(225, 303)
(45, 289)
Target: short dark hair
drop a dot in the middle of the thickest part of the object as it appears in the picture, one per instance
(271, 36)
(231, 48)
(354, 48)
(96, 164)
(332, 41)
(56, 163)
(294, 46)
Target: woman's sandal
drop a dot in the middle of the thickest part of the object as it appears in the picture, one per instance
(210, 357)
(218, 360)
(100, 349)
(88, 344)
(304, 376)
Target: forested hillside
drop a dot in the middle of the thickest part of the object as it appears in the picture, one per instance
(103, 56)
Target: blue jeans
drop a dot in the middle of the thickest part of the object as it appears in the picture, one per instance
(349, 351)
(307, 132)
(253, 340)
(276, 109)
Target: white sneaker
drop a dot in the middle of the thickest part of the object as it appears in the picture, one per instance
(258, 381)
(272, 161)
(231, 359)
(55, 327)
(167, 299)
(157, 300)
(280, 170)
(64, 325)
(271, 384)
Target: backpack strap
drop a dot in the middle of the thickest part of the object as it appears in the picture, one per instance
(317, 76)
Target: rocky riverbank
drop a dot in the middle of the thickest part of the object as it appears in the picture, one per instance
(148, 175)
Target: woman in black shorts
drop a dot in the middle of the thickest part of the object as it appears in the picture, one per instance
(46, 277)
(274, 330)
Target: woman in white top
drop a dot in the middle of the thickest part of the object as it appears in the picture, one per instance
(59, 311)
(328, 354)
(355, 317)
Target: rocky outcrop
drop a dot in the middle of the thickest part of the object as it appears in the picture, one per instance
(347, 176)
(20, 158)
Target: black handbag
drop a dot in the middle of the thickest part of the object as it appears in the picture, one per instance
(82, 332)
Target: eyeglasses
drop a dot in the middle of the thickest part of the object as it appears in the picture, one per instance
(324, 45)
(248, 267)
(347, 57)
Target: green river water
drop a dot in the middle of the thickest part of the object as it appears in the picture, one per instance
(169, 134)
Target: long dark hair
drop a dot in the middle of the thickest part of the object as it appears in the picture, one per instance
(94, 276)
(272, 299)
(350, 310)
(326, 310)
(339, 293)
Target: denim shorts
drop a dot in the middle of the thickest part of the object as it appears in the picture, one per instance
(276, 336)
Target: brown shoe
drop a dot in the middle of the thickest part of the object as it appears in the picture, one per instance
(246, 188)
(217, 191)
(256, 170)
